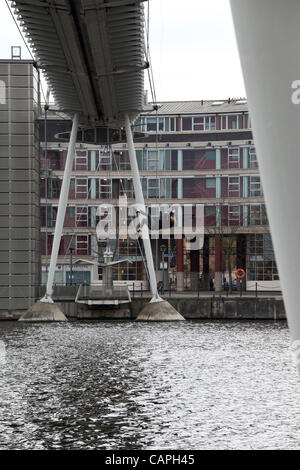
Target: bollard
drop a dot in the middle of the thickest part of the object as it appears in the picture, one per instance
(256, 289)
(133, 284)
(141, 289)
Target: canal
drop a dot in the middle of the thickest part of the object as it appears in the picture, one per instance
(126, 385)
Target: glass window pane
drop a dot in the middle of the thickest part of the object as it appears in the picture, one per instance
(210, 154)
(151, 124)
(210, 183)
(187, 124)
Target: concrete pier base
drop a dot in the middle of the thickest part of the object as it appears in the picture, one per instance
(159, 311)
(43, 312)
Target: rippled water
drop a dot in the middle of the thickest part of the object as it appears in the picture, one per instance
(126, 385)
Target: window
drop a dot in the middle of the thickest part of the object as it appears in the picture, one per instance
(210, 123)
(140, 125)
(81, 160)
(56, 159)
(258, 214)
(234, 215)
(210, 154)
(78, 277)
(261, 259)
(46, 213)
(255, 186)
(105, 188)
(123, 161)
(186, 123)
(151, 124)
(224, 122)
(233, 157)
(105, 160)
(173, 124)
(165, 188)
(81, 188)
(209, 211)
(153, 163)
(128, 248)
(82, 244)
(264, 216)
(54, 187)
(126, 187)
(207, 123)
(161, 124)
(232, 122)
(81, 216)
(255, 214)
(153, 188)
(210, 183)
(198, 123)
(233, 186)
(252, 158)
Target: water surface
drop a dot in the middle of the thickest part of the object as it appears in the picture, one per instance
(126, 385)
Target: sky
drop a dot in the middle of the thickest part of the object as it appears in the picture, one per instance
(192, 44)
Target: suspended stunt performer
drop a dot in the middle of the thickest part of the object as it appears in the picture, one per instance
(143, 217)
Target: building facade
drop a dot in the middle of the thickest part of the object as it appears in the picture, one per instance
(192, 153)
(20, 262)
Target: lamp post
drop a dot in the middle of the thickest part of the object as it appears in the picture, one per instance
(71, 266)
(163, 249)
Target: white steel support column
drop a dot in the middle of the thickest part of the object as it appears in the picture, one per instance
(63, 200)
(140, 204)
(218, 159)
(269, 52)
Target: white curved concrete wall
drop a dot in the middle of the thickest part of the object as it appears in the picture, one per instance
(268, 36)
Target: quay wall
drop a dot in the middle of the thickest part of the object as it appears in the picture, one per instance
(192, 308)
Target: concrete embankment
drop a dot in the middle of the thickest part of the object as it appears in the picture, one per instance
(220, 308)
(192, 308)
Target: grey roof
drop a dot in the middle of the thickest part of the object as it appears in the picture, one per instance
(92, 53)
(201, 107)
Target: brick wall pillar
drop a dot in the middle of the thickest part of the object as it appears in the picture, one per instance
(205, 274)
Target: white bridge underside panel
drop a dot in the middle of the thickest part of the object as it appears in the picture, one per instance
(92, 52)
(268, 36)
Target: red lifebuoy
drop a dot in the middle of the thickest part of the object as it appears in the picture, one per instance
(240, 273)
